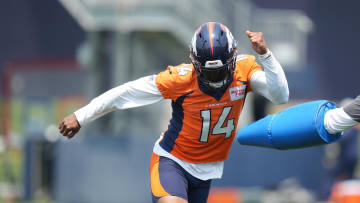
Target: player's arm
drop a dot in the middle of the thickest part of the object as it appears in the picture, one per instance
(132, 94)
(271, 82)
(339, 119)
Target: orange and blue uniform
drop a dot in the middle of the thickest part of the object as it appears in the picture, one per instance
(206, 101)
(203, 121)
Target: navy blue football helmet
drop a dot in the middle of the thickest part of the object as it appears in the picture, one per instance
(213, 53)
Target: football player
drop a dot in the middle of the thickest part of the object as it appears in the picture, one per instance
(207, 97)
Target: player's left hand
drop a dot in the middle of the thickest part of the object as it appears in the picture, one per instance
(257, 42)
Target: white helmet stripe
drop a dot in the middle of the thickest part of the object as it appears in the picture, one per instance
(230, 39)
(193, 44)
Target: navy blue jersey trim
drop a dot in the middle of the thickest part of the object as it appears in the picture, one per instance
(176, 123)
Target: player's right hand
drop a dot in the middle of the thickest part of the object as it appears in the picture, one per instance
(257, 42)
(69, 126)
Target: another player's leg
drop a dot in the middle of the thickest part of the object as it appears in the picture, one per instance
(168, 181)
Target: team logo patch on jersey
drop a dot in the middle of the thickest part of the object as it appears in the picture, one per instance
(183, 71)
(237, 92)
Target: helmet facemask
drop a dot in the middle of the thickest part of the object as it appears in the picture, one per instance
(214, 73)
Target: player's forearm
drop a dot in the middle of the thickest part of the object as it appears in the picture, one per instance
(270, 83)
(275, 78)
(129, 95)
(98, 107)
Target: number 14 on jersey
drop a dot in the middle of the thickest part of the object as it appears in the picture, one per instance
(218, 128)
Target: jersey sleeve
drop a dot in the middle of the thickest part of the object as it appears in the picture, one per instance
(253, 68)
(173, 82)
(246, 66)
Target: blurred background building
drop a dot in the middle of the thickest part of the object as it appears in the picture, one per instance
(57, 55)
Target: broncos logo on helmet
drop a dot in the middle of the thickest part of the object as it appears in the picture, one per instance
(213, 53)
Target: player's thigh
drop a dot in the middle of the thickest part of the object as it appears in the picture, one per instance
(167, 179)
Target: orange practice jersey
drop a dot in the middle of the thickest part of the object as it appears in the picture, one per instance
(203, 122)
